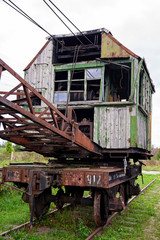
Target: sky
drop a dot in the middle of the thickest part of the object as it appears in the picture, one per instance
(134, 23)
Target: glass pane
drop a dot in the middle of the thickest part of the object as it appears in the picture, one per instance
(60, 97)
(94, 73)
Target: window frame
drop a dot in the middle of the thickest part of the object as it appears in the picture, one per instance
(87, 67)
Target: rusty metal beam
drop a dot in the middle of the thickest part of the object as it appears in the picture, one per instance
(1, 69)
(31, 129)
(13, 90)
(28, 99)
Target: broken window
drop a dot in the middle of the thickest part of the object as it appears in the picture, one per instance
(93, 83)
(117, 82)
(141, 88)
(93, 88)
(36, 101)
(82, 85)
(144, 91)
(77, 85)
(85, 120)
(21, 98)
(89, 48)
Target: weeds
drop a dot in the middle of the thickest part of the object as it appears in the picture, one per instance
(13, 211)
(19, 157)
(144, 211)
(78, 223)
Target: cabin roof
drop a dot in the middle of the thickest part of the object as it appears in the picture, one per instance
(92, 32)
(84, 33)
(95, 31)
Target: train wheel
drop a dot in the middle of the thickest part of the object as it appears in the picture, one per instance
(100, 208)
(41, 206)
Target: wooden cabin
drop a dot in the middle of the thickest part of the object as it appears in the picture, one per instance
(106, 84)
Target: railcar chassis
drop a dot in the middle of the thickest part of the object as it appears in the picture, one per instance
(110, 186)
(106, 173)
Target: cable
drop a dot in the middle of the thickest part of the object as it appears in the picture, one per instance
(62, 21)
(20, 11)
(69, 21)
(16, 8)
(75, 58)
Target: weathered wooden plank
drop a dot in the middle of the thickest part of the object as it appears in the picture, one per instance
(112, 127)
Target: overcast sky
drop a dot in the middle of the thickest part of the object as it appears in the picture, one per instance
(134, 23)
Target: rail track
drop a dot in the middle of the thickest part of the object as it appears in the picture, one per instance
(97, 232)
(27, 224)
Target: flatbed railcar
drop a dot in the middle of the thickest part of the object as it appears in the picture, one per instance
(86, 103)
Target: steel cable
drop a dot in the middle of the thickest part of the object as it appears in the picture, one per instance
(70, 22)
(20, 11)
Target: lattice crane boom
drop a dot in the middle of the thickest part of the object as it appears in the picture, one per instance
(48, 132)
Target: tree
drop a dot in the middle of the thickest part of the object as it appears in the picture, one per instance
(9, 147)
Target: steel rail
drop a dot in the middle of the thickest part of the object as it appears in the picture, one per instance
(99, 230)
(27, 224)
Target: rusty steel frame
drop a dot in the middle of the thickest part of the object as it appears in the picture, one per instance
(104, 178)
(43, 132)
(106, 182)
(50, 133)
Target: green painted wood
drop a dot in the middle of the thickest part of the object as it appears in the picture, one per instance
(107, 82)
(98, 123)
(78, 66)
(101, 93)
(134, 131)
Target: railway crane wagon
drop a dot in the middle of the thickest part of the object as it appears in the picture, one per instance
(85, 103)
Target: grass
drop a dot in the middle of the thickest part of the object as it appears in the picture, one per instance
(78, 223)
(151, 165)
(20, 157)
(13, 211)
(145, 212)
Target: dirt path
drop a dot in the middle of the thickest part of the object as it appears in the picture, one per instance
(151, 172)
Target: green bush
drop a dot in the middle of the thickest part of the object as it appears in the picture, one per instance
(9, 147)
